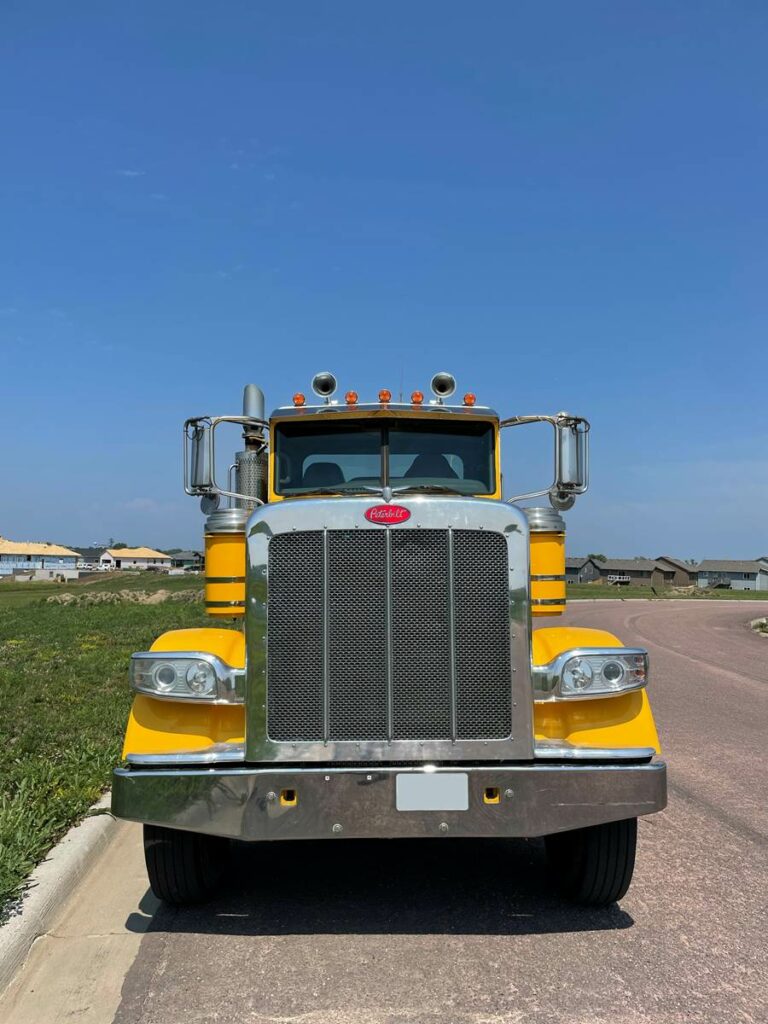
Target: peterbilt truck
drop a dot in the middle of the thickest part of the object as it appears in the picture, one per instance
(384, 662)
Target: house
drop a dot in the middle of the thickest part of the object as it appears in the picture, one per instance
(45, 561)
(188, 560)
(637, 572)
(134, 558)
(684, 575)
(733, 575)
(89, 556)
(581, 570)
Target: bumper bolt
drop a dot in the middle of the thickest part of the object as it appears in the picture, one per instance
(337, 828)
(509, 793)
(271, 797)
(443, 826)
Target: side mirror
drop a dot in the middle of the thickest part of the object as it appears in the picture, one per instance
(198, 469)
(571, 460)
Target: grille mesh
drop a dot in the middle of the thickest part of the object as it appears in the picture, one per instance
(420, 639)
(295, 639)
(351, 658)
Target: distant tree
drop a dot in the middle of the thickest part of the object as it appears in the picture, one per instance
(118, 544)
(691, 561)
(172, 551)
(598, 558)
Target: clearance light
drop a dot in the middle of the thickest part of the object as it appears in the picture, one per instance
(469, 398)
(385, 395)
(299, 399)
(417, 398)
(351, 398)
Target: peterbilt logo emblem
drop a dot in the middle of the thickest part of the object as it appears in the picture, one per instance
(386, 515)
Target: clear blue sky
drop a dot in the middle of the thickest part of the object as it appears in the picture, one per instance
(565, 204)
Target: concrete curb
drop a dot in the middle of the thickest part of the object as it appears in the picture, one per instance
(49, 884)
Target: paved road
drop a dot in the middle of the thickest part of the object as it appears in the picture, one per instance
(450, 932)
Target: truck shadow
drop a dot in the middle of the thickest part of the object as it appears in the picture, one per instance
(413, 887)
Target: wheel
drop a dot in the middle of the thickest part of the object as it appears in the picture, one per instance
(183, 867)
(594, 865)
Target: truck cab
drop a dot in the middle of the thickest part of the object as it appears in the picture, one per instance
(384, 663)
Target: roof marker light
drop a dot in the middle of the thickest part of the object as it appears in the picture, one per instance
(385, 395)
(417, 398)
(469, 398)
(299, 399)
(351, 398)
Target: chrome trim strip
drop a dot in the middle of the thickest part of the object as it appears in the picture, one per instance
(390, 649)
(347, 513)
(217, 753)
(452, 642)
(225, 604)
(326, 641)
(548, 579)
(557, 750)
(338, 803)
(224, 579)
(547, 600)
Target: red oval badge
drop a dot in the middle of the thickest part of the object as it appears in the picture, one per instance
(387, 515)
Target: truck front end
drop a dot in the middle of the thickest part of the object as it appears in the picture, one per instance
(382, 677)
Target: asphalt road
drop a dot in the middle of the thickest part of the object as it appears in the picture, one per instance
(465, 932)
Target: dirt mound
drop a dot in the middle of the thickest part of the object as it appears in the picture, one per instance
(126, 596)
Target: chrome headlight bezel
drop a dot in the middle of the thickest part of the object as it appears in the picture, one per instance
(150, 674)
(550, 681)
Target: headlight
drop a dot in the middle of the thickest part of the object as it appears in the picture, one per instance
(186, 676)
(591, 672)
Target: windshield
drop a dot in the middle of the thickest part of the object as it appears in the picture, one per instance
(356, 455)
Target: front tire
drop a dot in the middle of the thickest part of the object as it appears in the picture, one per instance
(183, 867)
(594, 865)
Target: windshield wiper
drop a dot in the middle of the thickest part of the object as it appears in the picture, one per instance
(353, 489)
(425, 489)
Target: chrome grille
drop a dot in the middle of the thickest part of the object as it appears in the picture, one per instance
(386, 635)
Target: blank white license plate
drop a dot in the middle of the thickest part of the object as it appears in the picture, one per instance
(432, 791)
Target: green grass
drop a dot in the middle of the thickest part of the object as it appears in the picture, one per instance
(28, 593)
(64, 701)
(602, 591)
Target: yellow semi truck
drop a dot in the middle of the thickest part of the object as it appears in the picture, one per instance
(384, 664)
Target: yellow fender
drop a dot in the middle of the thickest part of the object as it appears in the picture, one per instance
(163, 726)
(625, 721)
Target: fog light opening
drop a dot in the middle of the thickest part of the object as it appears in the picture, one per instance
(491, 795)
(288, 798)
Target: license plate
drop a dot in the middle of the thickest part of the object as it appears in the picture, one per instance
(432, 791)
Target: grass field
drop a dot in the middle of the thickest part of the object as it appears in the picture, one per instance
(64, 699)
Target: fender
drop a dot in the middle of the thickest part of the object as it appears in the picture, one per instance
(611, 722)
(163, 726)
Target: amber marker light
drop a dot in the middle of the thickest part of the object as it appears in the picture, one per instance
(469, 398)
(299, 399)
(385, 395)
(417, 398)
(351, 398)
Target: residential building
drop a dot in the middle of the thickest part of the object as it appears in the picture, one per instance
(47, 560)
(733, 575)
(581, 570)
(684, 575)
(188, 560)
(134, 558)
(636, 572)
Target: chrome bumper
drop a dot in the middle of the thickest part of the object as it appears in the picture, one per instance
(245, 802)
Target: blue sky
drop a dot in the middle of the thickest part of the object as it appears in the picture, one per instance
(564, 204)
